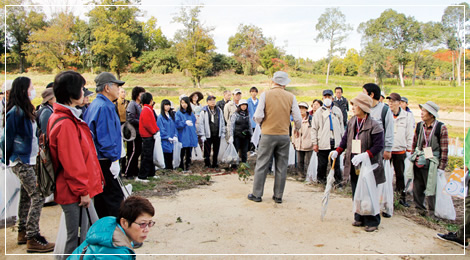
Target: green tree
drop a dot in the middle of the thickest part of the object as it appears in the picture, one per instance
(116, 33)
(194, 44)
(456, 28)
(153, 36)
(332, 27)
(82, 42)
(351, 63)
(397, 32)
(431, 36)
(161, 61)
(246, 45)
(268, 56)
(21, 22)
(375, 59)
(51, 46)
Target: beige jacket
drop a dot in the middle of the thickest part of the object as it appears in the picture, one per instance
(321, 127)
(229, 109)
(403, 131)
(304, 141)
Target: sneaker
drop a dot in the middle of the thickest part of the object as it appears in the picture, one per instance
(22, 238)
(254, 198)
(370, 229)
(155, 177)
(277, 200)
(404, 203)
(452, 237)
(386, 215)
(141, 180)
(39, 244)
(252, 154)
(357, 224)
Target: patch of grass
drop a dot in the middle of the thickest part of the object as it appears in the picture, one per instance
(452, 227)
(244, 172)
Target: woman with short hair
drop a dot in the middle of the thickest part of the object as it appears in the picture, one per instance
(134, 147)
(78, 172)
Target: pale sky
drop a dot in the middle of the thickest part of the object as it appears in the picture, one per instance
(291, 23)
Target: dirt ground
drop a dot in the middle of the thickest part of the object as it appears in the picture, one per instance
(218, 219)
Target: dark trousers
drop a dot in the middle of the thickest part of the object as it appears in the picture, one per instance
(323, 166)
(419, 186)
(398, 161)
(241, 145)
(147, 169)
(134, 150)
(168, 160)
(368, 220)
(185, 154)
(215, 142)
(108, 202)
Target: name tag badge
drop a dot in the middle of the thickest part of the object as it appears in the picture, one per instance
(428, 153)
(356, 146)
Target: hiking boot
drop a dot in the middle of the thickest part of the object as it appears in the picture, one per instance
(254, 198)
(39, 244)
(357, 224)
(452, 237)
(22, 238)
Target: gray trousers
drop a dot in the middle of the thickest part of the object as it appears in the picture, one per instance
(303, 160)
(269, 146)
(72, 216)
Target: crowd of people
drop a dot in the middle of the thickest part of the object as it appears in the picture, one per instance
(87, 140)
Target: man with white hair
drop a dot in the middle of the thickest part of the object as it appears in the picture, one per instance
(273, 114)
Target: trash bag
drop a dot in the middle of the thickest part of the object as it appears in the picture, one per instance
(444, 207)
(177, 154)
(223, 146)
(230, 155)
(366, 199)
(9, 203)
(291, 155)
(62, 234)
(385, 190)
(256, 135)
(126, 189)
(196, 154)
(312, 168)
(158, 159)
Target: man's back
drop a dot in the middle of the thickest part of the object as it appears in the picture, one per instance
(277, 110)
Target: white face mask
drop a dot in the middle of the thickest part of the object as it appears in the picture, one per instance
(327, 102)
(33, 94)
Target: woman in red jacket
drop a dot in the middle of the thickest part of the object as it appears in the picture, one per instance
(79, 177)
(147, 128)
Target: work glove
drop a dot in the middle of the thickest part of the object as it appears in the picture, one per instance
(230, 140)
(175, 139)
(189, 123)
(333, 155)
(440, 172)
(115, 169)
(359, 158)
(203, 138)
(171, 140)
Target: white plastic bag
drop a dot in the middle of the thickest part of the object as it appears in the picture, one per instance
(158, 159)
(9, 204)
(291, 155)
(123, 151)
(444, 207)
(230, 155)
(256, 135)
(223, 146)
(385, 190)
(366, 199)
(177, 154)
(196, 154)
(62, 234)
(312, 168)
(126, 189)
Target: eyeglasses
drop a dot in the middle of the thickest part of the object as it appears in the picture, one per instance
(144, 225)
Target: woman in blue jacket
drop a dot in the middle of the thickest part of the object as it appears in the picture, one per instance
(168, 134)
(114, 238)
(186, 125)
(21, 152)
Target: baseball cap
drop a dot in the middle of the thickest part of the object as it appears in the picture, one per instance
(106, 77)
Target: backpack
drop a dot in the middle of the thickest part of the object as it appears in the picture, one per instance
(437, 131)
(45, 168)
(384, 114)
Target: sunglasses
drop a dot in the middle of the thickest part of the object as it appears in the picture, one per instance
(144, 225)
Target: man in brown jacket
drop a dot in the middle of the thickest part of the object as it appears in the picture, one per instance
(273, 114)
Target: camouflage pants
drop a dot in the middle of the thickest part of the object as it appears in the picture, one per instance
(31, 200)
